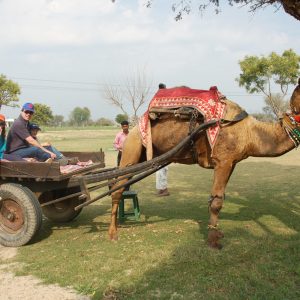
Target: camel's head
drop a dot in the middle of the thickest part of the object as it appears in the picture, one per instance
(295, 99)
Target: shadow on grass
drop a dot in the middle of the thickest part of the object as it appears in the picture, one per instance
(87, 220)
(257, 189)
(254, 191)
(255, 268)
(260, 259)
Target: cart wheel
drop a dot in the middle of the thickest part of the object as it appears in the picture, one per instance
(20, 215)
(62, 211)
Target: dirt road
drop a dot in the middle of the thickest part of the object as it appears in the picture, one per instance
(27, 287)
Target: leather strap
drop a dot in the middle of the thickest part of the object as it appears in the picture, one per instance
(239, 117)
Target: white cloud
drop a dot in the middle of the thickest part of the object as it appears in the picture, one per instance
(79, 8)
(96, 38)
(78, 22)
(40, 22)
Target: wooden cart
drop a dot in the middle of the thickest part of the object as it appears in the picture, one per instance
(27, 190)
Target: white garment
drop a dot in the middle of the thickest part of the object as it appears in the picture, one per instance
(162, 178)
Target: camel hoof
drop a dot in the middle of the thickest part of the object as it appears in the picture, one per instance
(216, 246)
(213, 239)
(113, 237)
(113, 234)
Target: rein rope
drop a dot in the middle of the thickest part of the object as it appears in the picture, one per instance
(192, 125)
(291, 124)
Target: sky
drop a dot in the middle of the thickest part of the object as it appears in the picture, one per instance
(63, 52)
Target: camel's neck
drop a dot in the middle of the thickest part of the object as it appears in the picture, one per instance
(269, 140)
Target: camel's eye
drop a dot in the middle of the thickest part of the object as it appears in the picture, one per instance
(295, 112)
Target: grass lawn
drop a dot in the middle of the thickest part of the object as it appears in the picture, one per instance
(164, 255)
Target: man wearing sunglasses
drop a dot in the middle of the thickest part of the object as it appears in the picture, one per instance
(20, 142)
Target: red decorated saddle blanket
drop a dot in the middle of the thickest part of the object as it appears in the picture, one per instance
(208, 102)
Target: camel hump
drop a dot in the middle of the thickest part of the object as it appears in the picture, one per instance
(232, 110)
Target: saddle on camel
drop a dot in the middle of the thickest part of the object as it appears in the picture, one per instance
(174, 113)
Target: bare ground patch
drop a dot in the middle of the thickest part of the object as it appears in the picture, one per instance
(28, 287)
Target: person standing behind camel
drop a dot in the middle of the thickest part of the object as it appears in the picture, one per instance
(162, 182)
(120, 139)
(161, 175)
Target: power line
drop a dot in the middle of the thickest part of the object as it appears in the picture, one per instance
(66, 81)
(50, 87)
(58, 87)
(59, 81)
(100, 89)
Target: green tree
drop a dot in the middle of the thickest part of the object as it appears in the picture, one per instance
(259, 74)
(58, 120)
(43, 114)
(184, 7)
(9, 92)
(104, 122)
(80, 116)
(120, 118)
(275, 106)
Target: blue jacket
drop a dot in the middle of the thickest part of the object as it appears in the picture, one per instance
(2, 146)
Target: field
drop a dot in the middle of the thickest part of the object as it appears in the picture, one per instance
(164, 255)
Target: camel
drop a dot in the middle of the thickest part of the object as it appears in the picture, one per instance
(236, 141)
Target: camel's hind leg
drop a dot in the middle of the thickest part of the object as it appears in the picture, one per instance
(131, 155)
(221, 176)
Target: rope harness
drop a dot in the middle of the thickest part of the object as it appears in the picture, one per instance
(193, 122)
(291, 124)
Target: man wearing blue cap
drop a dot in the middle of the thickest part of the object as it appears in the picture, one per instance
(20, 142)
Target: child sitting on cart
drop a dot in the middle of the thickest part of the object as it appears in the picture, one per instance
(34, 129)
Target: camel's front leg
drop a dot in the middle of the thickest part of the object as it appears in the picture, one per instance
(131, 154)
(116, 197)
(221, 176)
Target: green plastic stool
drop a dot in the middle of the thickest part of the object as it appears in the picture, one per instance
(136, 208)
